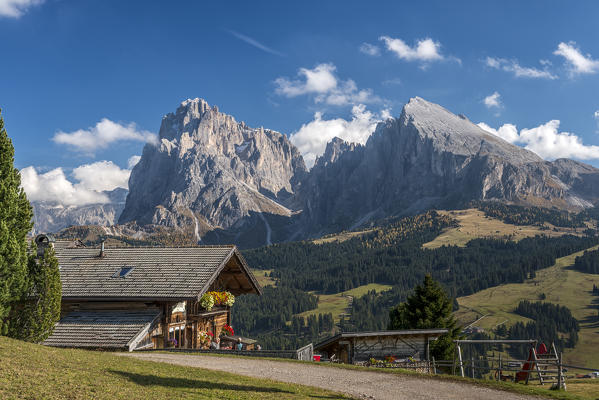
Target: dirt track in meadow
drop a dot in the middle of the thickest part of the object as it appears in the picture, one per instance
(355, 383)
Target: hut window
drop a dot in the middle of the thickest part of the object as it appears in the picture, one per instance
(122, 272)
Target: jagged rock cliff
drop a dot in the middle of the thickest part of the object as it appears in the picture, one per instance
(233, 183)
(52, 217)
(430, 157)
(213, 172)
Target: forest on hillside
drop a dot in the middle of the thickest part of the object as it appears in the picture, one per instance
(393, 255)
(528, 215)
(588, 262)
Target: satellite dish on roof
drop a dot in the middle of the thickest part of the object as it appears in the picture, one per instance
(42, 242)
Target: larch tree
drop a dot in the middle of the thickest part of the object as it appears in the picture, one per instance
(15, 223)
(428, 308)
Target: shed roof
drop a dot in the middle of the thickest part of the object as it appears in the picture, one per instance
(410, 332)
(108, 329)
(144, 273)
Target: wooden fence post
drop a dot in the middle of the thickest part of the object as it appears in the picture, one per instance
(500, 368)
(434, 366)
(454, 361)
(472, 365)
(560, 378)
(461, 361)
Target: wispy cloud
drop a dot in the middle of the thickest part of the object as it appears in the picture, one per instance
(493, 100)
(255, 43)
(519, 71)
(390, 82)
(322, 83)
(16, 8)
(370, 49)
(424, 51)
(578, 63)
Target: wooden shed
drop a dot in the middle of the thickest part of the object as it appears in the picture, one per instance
(145, 297)
(352, 347)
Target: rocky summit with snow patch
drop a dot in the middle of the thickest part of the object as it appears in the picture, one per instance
(226, 182)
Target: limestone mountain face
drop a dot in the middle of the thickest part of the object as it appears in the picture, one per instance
(227, 182)
(213, 172)
(429, 157)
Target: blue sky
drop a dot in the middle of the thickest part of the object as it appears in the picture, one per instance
(326, 66)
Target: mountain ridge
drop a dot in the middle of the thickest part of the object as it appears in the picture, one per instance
(230, 182)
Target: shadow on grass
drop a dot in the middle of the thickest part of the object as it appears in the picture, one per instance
(184, 383)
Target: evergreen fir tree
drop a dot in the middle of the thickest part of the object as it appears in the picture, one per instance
(428, 308)
(34, 319)
(15, 223)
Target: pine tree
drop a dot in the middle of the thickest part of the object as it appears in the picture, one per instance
(428, 308)
(15, 222)
(34, 318)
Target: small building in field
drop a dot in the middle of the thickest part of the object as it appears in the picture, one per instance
(145, 297)
(353, 347)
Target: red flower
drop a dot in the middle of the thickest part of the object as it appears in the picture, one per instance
(229, 330)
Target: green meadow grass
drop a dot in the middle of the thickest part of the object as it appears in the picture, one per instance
(29, 371)
(337, 303)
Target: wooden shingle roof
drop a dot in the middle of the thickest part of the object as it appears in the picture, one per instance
(108, 329)
(156, 273)
(432, 333)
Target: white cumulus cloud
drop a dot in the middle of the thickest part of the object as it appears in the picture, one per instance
(132, 161)
(102, 135)
(578, 62)
(320, 79)
(312, 138)
(370, 49)
(53, 186)
(547, 141)
(16, 8)
(424, 50)
(102, 175)
(507, 132)
(493, 100)
(89, 182)
(519, 71)
(322, 83)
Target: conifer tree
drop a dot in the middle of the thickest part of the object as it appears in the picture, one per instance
(34, 318)
(428, 308)
(15, 222)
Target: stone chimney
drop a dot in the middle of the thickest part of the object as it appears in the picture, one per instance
(102, 254)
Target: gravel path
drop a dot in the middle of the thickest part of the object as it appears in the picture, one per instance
(358, 384)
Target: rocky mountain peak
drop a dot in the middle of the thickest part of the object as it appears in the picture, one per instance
(458, 135)
(211, 171)
(335, 149)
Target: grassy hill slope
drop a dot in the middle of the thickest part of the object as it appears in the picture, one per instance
(474, 223)
(29, 371)
(561, 285)
(338, 303)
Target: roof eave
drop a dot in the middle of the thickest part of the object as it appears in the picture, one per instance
(245, 267)
(127, 298)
